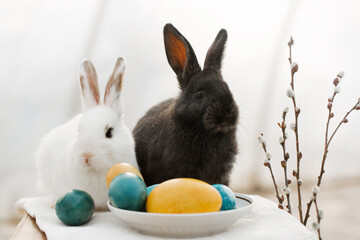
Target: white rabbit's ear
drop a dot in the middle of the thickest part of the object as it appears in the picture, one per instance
(89, 84)
(113, 86)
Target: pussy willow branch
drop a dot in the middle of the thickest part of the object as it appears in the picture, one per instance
(332, 135)
(327, 144)
(296, 130)
(280, 200)
(318, 218)
(286, 157)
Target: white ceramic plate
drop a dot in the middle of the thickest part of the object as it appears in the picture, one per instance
(185, 225)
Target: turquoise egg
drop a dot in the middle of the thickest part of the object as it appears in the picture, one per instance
(75, 208)
(127, 191)
(150, 188)
(228, 197)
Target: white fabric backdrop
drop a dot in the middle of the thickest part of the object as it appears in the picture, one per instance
(42, 43)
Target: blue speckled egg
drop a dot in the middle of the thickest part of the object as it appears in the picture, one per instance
(228, 197)
(150, 188)
(127, 191)
(75, 208)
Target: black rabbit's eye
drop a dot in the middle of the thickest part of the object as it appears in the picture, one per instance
(108, 133)
(200, 94)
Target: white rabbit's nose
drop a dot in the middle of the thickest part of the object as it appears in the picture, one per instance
(87, 156)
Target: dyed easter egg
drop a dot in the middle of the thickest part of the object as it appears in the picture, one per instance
(75, 208)
(183, 195)
(228, 197)
(127, 191)
(150, 188)
(119, 168)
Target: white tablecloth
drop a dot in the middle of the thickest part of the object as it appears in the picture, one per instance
(265, 222)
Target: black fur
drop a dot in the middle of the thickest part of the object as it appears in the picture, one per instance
(193, 135)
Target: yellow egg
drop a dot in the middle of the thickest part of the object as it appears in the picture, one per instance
(118, 169)
(183, 195)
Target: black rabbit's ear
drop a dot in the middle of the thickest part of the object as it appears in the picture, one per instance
(180, 55)
(215, 53)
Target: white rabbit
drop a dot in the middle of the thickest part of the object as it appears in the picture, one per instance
(78, 154)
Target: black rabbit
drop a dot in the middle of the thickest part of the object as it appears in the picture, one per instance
(193, 135)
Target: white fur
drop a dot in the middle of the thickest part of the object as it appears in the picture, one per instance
(61, 166)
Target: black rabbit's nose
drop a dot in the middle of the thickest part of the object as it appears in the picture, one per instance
(231, 115)
(231, 119)
(219, 118)
(223, 111)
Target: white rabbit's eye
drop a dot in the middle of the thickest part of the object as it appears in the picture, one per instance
(108, 133)
(200, 94)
